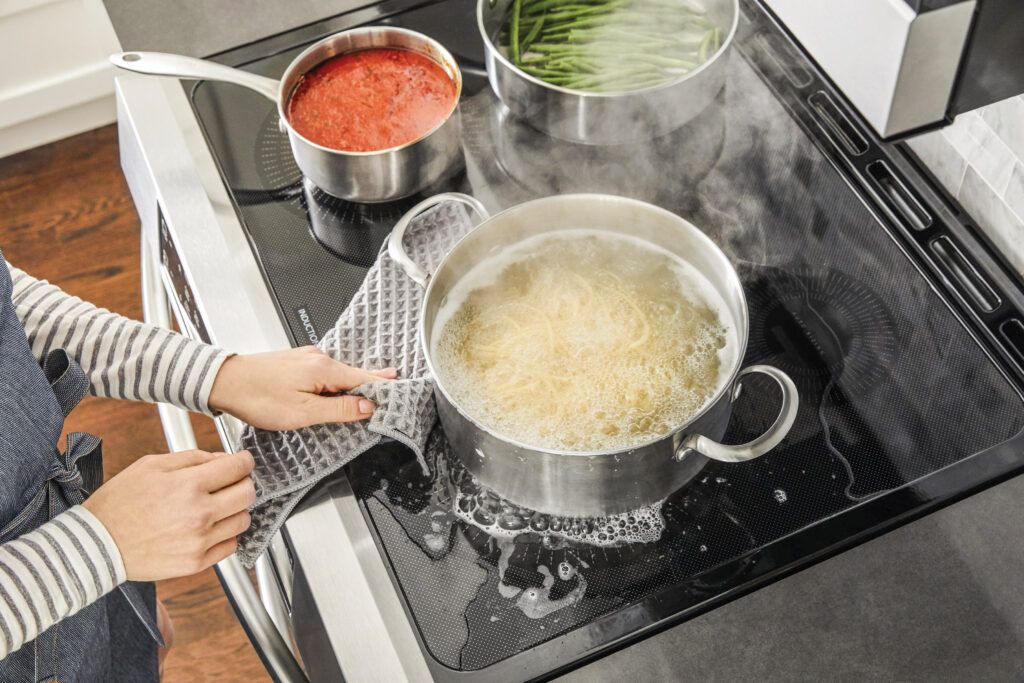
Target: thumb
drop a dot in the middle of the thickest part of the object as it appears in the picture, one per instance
(341, 409)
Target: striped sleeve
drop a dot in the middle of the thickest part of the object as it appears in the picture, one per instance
(123, 358)
(52, 572)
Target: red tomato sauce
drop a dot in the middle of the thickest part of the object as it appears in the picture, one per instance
(371, 100)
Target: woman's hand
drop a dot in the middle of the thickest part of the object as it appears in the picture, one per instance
(176, 514)
(282, 389)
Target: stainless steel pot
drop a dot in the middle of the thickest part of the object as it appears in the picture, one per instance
(599, 483)
(605, 118)
(376, 176)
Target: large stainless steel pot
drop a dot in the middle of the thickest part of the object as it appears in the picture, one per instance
(377, 176)
(605, 118)
(599, 483)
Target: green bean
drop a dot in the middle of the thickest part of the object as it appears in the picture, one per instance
(551, 48)
(531, 35)
(546, 70)
(517, 7)
(544, 5)
(702, 52)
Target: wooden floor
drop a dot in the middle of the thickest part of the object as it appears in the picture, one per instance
(66, 216)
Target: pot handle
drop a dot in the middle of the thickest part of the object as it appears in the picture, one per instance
(180, 66)
(762, 444)
(396, 249)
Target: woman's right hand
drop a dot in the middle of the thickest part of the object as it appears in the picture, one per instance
(176, 514)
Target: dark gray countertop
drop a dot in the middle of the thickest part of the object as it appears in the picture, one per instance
(939, 599)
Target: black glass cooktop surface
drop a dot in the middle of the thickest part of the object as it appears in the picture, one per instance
(906, 402)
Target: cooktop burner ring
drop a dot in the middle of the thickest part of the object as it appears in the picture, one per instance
(820, 324)
(279, 173)
(349, 230)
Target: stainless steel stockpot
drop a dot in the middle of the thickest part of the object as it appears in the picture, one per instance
(599, 483)
(605, 118)
(377, 176)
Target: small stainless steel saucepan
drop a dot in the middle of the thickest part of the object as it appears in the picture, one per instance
(593, 484)
(376, 176)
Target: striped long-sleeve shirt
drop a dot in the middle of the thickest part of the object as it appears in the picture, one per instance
(71, 561)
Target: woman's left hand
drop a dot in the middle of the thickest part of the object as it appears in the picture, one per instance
(283, 389)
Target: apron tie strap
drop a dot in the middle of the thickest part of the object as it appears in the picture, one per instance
(78, 471)
(67, 379)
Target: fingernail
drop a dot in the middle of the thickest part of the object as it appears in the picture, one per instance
(365, 407)
(390, 373)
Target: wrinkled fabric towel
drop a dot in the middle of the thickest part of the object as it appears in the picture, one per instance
(377, 330)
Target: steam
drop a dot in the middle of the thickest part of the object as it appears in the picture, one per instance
(724, 170)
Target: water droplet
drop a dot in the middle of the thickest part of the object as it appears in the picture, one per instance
(703, 548)
(780, 496)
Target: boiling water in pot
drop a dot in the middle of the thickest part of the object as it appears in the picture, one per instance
(583, 340)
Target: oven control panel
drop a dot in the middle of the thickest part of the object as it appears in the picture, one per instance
(174, 274)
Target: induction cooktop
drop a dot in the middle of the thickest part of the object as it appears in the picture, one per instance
(899, 324)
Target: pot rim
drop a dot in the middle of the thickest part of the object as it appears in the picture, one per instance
(713, 400)
(494, 50)
(449, 65)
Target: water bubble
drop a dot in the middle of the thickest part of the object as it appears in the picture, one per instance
(481, 516)
(511, 522)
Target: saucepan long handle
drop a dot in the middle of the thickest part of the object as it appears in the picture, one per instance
(180, 66)
(762, 444)
(396, 247)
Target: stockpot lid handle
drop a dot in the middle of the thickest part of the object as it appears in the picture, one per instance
(396, 246)
(762, 444)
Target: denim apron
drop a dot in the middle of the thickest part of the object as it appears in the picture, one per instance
(114, 638)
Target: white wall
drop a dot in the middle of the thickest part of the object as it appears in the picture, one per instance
(54, 77)
(980, 160)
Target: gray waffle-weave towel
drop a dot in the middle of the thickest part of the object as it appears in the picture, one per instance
(377, 330)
